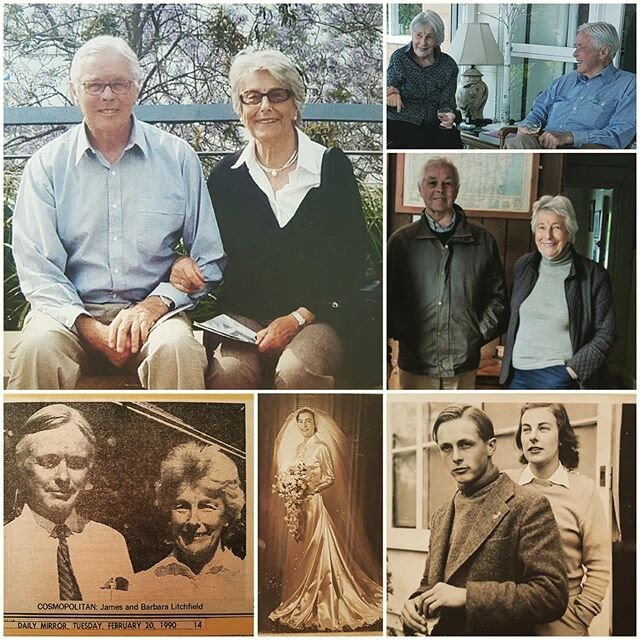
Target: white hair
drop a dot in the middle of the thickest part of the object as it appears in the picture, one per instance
(273, 62)
(430, 19)
(603, 34)
(106, 44)
(560, 205)
(439, 162)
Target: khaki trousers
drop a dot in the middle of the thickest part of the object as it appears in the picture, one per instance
(310, 361)
(50, 356)
(466, 380)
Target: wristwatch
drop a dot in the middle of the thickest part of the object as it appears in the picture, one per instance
(169, 302)
(299, 318)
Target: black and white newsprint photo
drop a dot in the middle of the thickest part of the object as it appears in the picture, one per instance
(128, 515)
(511, 515)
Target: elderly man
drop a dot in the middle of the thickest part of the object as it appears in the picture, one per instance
(98, 217)
(495, 564)
(51, 552)
(591, 107)
(446, 289)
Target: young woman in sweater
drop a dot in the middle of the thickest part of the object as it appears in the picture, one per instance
(549, 449)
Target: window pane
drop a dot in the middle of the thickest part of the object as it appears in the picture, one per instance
(402, 421)
(528, 78)
(406, 13)
(548, 24)
(438, 484)
(404, 490)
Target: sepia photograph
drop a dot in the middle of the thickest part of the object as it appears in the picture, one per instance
(511, 515)
(127, 515)
(320, 514)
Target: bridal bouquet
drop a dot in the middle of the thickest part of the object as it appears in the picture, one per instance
(291, 485)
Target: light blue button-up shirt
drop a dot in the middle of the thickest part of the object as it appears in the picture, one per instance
(597, 110)
(86, 231)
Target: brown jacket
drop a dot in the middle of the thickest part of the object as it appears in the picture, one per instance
(512, 565)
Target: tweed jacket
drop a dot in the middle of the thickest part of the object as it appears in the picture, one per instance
(512, 565)
(592, 323)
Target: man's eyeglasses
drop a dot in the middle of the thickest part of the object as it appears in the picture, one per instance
(274, 96)
(119, 87)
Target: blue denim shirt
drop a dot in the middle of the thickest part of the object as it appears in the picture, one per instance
(597, 110)
(86, 231)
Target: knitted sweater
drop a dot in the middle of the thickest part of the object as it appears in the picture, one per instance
(585, 538)
(316, 260)
(543, 338)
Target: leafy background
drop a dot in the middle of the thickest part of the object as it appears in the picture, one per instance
(185, 51)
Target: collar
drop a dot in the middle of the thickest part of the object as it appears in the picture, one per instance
(608, 73)
(137, 138)
(437, 227)
(560, 476)
(75, 522)
(171, 566)
(462, 231)
(307, 159)
(490, 475)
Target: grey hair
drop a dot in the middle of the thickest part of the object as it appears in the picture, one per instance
(440, 161)
(560, 205)
(273, 62)
(603, 34)
(205, 465)
(51, 417)
(106, 44)
(430, 19)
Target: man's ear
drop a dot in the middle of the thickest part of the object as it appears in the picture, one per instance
(491, 446)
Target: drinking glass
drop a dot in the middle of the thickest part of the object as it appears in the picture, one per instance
(446, 117)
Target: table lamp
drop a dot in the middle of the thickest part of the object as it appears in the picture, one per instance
(473, 44)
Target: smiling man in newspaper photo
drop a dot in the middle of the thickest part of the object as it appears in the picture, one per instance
(53, 553)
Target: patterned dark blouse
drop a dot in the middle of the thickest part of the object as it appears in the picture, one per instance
(424, 90)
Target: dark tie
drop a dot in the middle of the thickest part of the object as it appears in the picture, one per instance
(67, 582)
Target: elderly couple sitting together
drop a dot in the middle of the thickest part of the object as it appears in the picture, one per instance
(102, 209)
(591, 107)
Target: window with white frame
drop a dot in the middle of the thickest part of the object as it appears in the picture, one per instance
(542, 39)
(419, 482)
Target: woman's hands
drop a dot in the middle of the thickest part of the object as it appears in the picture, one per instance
(186, 275)
(277, 335)
(281, 331)
(394, 99)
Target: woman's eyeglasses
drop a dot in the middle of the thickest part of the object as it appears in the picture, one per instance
(274, 96)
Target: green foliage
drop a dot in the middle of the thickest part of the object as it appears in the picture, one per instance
(185, 51)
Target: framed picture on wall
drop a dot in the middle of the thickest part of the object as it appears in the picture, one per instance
(491, 184)
(592, 210)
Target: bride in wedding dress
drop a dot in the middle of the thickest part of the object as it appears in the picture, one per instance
(331, 579)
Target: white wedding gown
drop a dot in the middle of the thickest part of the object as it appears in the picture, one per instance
(324, 588)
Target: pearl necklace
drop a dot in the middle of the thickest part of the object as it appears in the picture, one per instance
(286, 165)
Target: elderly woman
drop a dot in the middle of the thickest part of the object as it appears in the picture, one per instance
(421, 91)
(549, 448)
(562, 324)
(199, 491)
(291, 222)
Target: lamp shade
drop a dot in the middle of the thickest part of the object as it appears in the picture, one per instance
(474, 44)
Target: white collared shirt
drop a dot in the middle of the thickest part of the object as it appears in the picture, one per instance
(306, 176)
(560, 476)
